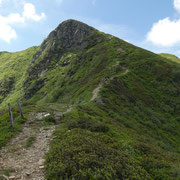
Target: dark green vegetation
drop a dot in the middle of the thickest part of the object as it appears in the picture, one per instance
(49, 120)
(130, 129)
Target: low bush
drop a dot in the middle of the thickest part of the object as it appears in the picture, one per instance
(49, 120)
(81, 154)
(90, 124)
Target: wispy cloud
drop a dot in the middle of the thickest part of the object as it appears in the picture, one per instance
(7, 32)
(114, 29)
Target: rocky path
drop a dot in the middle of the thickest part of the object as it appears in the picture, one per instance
(23, 157)
(98, 88)
(96, 91)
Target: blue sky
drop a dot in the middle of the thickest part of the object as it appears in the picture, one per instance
(150, 24)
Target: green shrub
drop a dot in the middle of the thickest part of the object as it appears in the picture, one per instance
(81, 154)
(90, 124)
(49, 120)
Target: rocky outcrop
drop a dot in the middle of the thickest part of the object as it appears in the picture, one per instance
(70, 35)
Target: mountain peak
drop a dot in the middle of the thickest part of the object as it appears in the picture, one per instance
(70, 34)
(71, 22)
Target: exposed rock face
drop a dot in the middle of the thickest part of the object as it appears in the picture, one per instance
(70, 35)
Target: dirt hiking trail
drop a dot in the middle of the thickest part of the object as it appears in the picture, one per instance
(23, 161)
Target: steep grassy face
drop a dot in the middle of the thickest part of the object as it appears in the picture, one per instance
(125, 101)
(13, 68)
(56, 52)
(137, 107)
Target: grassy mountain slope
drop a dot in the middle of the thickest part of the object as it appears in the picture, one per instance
(13, 68)
(125, 121)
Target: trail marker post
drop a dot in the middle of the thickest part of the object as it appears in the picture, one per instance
(11, 115)
(20, 109)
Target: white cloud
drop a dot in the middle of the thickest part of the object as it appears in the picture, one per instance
(13, 18)
(165, 32)
(7, 33)
(30, 13)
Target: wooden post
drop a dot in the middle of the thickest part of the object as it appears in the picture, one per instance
(11, 115)
(20, 109)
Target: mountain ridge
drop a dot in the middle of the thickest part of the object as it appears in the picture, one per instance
(122, 100)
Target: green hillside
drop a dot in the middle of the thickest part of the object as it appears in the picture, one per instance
(13, 68)
(125, 117)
